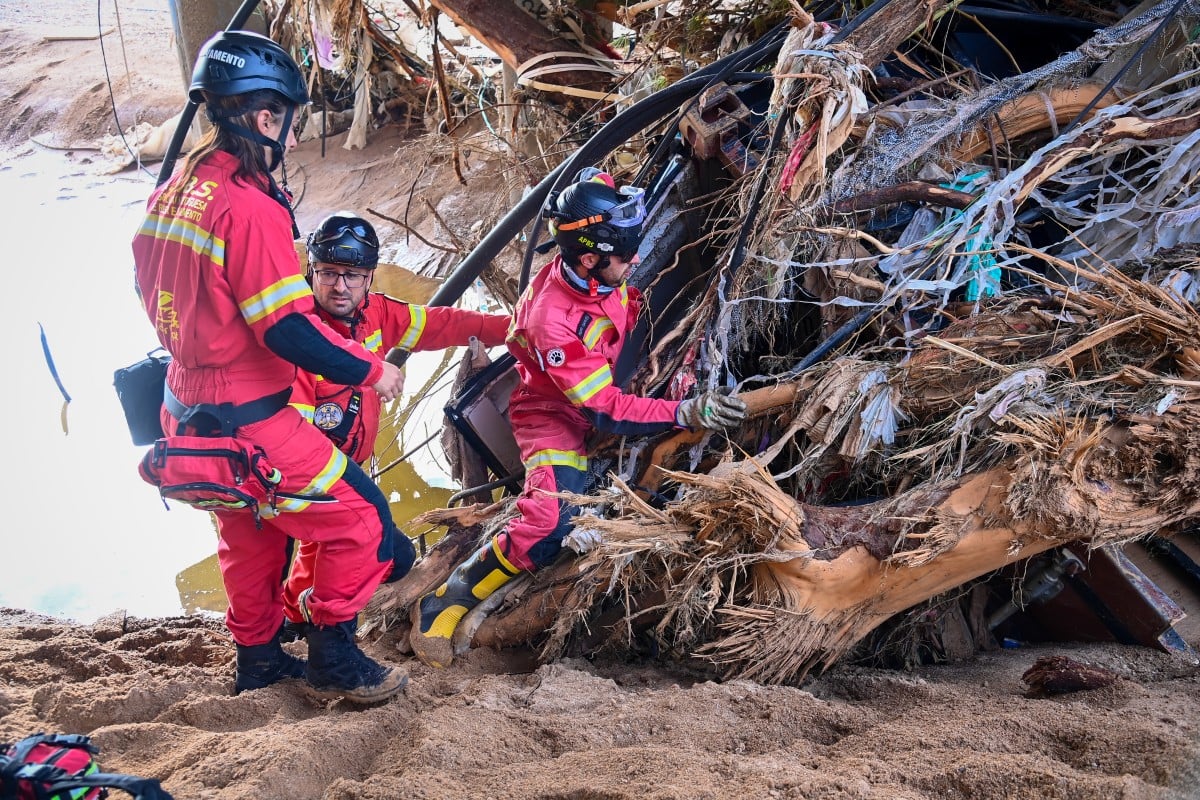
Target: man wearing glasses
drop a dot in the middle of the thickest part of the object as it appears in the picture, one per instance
(343, 253)
(568, 330)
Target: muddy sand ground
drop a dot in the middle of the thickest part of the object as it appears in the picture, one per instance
(156, 694)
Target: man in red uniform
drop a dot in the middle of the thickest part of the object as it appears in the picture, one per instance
(567, 333)
(218, 276)
(343, 253)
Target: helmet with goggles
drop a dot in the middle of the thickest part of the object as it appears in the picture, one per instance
(593, 216)
(346, 239)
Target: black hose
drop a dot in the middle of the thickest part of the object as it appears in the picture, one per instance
(189, 111)
(819, 352)
(692, 85)
(1031, 17)
(608, 138)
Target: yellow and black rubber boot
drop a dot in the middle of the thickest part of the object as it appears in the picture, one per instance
(437, 614)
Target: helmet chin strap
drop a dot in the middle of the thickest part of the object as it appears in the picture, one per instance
(356, 315)
(276, 147)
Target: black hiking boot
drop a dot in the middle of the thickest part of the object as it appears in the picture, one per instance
(260, 665)
(337, 668)
(293, 631)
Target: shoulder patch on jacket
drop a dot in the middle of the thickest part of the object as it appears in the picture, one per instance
(584, 323)
(555, 357)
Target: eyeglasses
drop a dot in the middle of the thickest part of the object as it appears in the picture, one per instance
(329, 277)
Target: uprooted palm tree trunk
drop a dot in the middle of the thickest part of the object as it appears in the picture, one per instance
(961, 426)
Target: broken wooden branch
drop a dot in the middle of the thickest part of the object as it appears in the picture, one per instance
(907, 192)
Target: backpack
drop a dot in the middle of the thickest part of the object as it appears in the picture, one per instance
(62, 767)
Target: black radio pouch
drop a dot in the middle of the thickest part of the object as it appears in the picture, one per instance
(140, 390)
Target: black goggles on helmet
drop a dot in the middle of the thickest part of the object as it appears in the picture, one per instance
(331, 239)
(357, 229)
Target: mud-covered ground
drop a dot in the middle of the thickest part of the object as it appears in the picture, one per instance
(155, 695)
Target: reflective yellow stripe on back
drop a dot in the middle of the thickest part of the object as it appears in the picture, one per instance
(190, 235)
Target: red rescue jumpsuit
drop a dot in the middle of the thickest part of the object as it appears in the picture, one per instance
(566, 342)
(220, 280)
(349, 415)
(380, 324)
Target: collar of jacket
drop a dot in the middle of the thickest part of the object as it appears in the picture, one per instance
(563, 275)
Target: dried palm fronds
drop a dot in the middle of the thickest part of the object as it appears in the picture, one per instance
(1059, 448)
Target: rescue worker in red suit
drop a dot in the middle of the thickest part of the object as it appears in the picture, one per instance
(219, 278)
(343, 252)
(567, 333)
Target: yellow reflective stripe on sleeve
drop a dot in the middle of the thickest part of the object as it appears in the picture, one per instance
(587, 388)
(416, 327)
(556, 458)
(172, 229)
(305, 410)
(319, 485)
(273, 298)
(374, 342)
(624, 295)
(596, 330)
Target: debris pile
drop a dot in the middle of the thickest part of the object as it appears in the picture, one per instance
(956, 289)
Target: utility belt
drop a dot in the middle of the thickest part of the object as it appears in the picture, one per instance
(206, 466)
(223, 419)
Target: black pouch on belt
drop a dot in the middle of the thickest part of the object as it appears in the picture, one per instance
(140, 390)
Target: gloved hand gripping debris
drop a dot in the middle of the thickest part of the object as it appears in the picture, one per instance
(715, 410)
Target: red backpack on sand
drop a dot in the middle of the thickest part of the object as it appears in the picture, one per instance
(62, 767)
